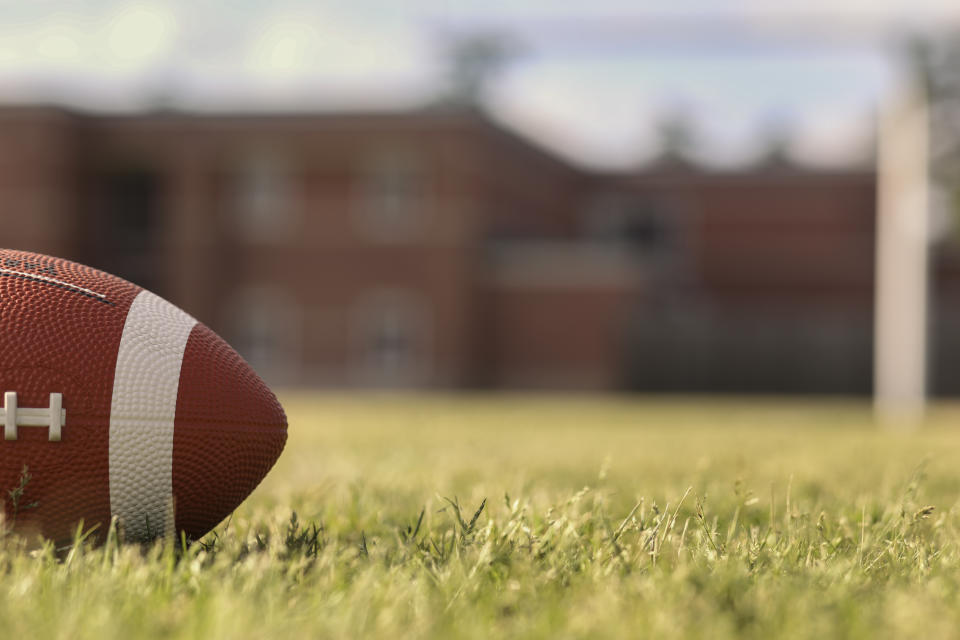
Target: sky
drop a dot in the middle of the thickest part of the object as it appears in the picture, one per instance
(591, 80)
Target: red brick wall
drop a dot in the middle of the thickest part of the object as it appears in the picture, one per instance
(795, 239)
(561, 338)
(772, 284)
(766, 272)
(328, 260)
(527, 193)
(38, 180)
(558, 313)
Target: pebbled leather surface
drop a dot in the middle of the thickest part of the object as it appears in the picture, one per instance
(56, 338)
(60, 329)
(221, 401)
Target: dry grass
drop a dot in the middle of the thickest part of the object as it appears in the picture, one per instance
(604, 517)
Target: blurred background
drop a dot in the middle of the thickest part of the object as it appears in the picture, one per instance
(583, 195)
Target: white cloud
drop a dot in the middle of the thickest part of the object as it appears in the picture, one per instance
(138, 35)
(834, 134)
(315, 43)
(606, 110)
(59, 44)
(286, 46)
(127, 39)
(596, 119)
(594, 98)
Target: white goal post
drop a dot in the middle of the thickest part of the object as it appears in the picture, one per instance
(902, 261)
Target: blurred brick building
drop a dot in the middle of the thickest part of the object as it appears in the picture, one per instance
(434, 248)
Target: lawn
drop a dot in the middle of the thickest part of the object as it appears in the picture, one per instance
(478, 516)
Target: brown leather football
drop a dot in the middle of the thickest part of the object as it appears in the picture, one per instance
(117, 403)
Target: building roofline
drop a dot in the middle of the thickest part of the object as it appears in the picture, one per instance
(752, 173)
(436, 114)
(39, 107)
(433, 114)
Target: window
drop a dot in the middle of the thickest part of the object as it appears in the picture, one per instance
(265, 198)
(265, 330)
(128, 226)
(392, 338)
(130, 208)
(643, 223)
(391, 196)
(645, 228)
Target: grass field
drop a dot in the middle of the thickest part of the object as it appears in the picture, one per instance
(603, 517)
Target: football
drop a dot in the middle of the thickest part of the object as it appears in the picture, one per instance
(117, 404)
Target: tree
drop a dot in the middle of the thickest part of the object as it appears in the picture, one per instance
(935, 63)
(776, 136)
(474, 61)
(677, 138)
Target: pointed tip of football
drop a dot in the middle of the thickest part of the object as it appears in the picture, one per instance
(229, 431)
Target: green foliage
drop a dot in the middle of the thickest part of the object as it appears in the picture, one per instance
(15, 495)
(576, 518)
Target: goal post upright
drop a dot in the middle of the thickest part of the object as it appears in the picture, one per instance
(902, 259)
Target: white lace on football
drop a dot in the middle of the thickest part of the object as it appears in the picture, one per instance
(59, 283)
(13, 416)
